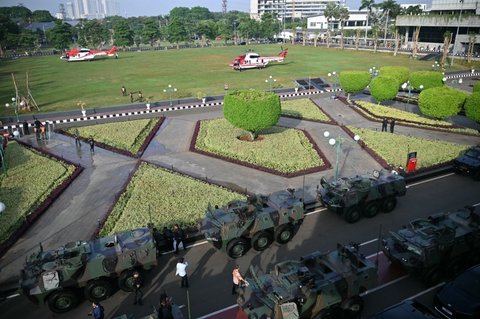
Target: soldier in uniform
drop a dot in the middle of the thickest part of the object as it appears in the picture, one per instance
(137, 288)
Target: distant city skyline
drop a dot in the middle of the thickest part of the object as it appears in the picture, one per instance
(156, 7)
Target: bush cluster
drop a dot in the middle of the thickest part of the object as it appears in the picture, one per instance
(252, 110)
(384, 88)
(476, 87)
(353, 82)
(472, 106)
(429, 79)
(441, 102)
(399, 73)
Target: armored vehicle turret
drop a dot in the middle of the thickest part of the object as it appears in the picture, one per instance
(256, 222)
(352, 197)
(318, 285)
(439, 245)
(90, 267)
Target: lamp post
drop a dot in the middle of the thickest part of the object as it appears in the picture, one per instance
(270, 80)
(15, 107)
(373, 71)
(334, 77)
(170, 90)
(436, 65)
(337, 142)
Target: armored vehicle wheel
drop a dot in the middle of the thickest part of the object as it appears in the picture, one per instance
(352, 307)
(237, 247)
(284, 234)
(98, 290)
(389, 204)
(261, 240)
(125, 281)
(371, 209)
(433, 276)
(62, 300)
(352, 215)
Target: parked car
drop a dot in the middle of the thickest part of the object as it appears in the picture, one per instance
(469, 162)
(407, 309)
(460, 298)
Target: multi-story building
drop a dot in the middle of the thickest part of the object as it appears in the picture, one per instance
(91, 9)
(356, 20)
(287, 9)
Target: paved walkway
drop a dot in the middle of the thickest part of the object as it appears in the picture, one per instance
(74, 215)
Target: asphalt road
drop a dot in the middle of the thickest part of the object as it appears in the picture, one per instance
(210, 271)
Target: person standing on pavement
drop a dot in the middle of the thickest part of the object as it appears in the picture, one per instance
(91, 141)
(124, 91)
(182, 272)
(384, 124)
(77, 141)
(137, 288)
(237, 278)
(97, 311)
(168, 238)
(392, 125)
(179, 237)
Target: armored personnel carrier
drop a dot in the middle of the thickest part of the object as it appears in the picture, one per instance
(352, 197)
(439, 245)
(318, 285)
(90, 267)
(256, 222)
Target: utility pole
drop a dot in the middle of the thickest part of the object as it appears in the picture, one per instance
(224, 6)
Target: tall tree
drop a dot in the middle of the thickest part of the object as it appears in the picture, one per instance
(176, 32)
(60, 35)
(92, 33)
(150, 32)
(122, 34)
(369, 5)
(29, 39)
(447, 40)
(42, 16)
(412, 10)
(342, 16)
(224, 29)
(269, 25)
(331, 11)
(8, 33)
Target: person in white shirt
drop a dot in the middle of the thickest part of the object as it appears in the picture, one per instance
(182, 272)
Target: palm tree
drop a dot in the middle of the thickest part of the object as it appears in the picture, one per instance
(447, 40)
(369, 5)
(416, 35)
(357, 38)
(342, 16)
(329, 13)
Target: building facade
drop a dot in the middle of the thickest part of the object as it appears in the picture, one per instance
(91, 9)
(357, 20)
(288, 9)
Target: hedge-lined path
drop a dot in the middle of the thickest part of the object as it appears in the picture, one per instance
(74, 214)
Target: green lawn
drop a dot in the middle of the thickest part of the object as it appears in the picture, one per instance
(31, 178)
(273, 149)
(153, 196)
(58, 85)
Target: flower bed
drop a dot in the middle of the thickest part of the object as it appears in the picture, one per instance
(272, 152)
(153, 195)
(304, 109)
(33, 181)
(377, 112)
(128, 137)
(393, 148)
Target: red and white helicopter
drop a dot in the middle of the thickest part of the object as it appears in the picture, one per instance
(83, 54)
(251, 60)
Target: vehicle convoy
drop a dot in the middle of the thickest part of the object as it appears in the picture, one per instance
(319, 285)
(352, 197)
(93, 268)
(469, 162)
(439, 245)
(257, 222)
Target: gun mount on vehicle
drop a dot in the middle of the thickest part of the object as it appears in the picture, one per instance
(316, 286)
(352, 197)
(256, 222)
(436, 246)
(57, 276)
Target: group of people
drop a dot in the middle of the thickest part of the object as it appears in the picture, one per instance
(132, 99)
(91, 141)
(174, 238)
(385, 123)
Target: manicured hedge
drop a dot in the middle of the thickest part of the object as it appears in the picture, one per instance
(252, 110)
(472, 107)
(303, 109)
(429, 79)
(384, 88)
(441, 102)
(476, 87)
(399, 73)
(353, 82)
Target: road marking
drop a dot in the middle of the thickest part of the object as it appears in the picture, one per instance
(316, 211)
(426, 291)
(369, 242)
(429, 180)
(384, 285)
(218, 311)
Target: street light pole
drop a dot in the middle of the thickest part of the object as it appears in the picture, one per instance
(270, 80)
(337, 142)
(15, 105)
(334, 78)
(170, 89)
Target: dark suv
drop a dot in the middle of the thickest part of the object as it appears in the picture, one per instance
(469, 162)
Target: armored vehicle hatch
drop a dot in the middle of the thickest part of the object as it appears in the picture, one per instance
(352, 197)
(256, 222)
(57, 276)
